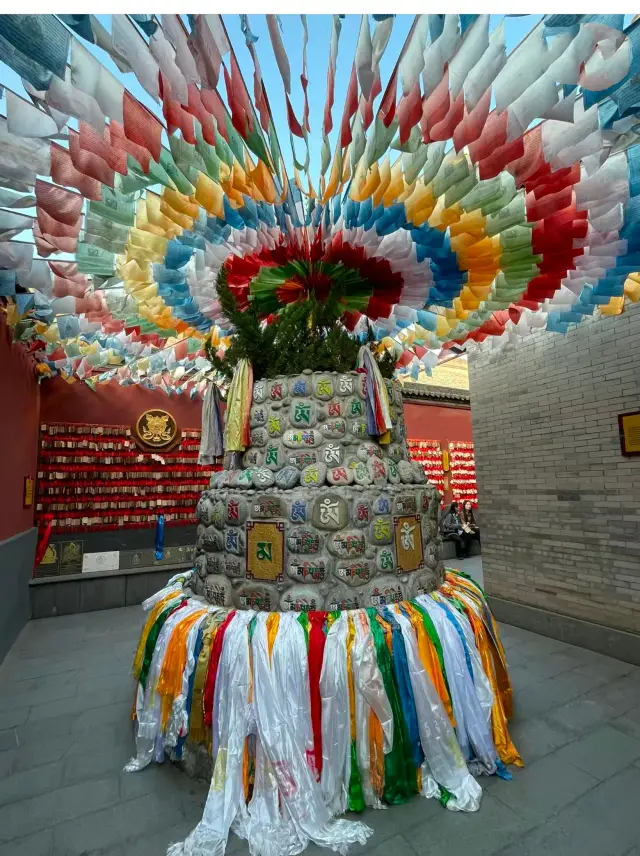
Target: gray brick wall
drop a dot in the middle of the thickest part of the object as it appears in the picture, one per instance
(560, 504)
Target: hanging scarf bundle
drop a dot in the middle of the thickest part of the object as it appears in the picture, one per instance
(377, 400)
(236, 430)
(308, 715)
(211, 441)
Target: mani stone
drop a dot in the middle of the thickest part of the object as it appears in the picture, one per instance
(234, 478)
(215, 563)
(323, 387)
(258, 416)
(330, 511)
(303, 570)
(199, 533)
(204, 511)
(244, 479)
(429, 528)
(377, 471)
(299, 387)
(382, 505)
(340, 475)
(259, 391)
(354, 572)
(313, 476)
(263, 598)
(262, 477)
(406, 472)
(432, 555)
(252, 458)
(259, 437)
(302, 413)
(275, 424)
(201, 566)
(347, 544)
(383, 593)
(392, 471)
(361, 474)
(302, 439)
(273, 456)
(419, 475)
(368, 450)
(406, 503)
(334, 409)
(287, 478)
(236, 511)
(298, 511)
(385, 560)
(302, 459)
(218, 514)
(395, 452)
(218, 591)
(333, 429)
(266, 507)
(422, 583)
(235, 567)
(333, 455)
(346, 385)
(382, 530)
(354, 408)
(277, 390)
(301, 599)
(303, 540)
(211, 540)
(234, 541)
(341, 597)
(358, 428)
(361, 513)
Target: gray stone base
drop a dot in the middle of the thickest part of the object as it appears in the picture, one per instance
(449, 549)
(16, 569)
(574, 631)
(51, 596)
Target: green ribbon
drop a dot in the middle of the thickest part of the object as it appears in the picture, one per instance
(400, 782)
(152, 638)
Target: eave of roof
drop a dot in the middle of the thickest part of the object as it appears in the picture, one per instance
(424, 392)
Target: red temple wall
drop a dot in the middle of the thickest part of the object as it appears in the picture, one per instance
(19, 393)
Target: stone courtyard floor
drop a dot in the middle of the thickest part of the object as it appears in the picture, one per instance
(65, 734)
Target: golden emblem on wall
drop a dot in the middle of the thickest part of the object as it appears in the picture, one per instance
(156, 429)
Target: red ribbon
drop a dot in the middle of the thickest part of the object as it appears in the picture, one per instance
(316, 653)
(44, 533)
(214, 662)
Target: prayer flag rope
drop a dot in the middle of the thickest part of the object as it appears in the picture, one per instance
(475, 196)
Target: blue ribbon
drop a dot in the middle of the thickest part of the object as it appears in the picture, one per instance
(160, 538)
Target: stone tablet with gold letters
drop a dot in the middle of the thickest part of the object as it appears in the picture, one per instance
(265, 551)
(408, 538)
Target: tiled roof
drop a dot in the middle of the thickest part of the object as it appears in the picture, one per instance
(426, 392)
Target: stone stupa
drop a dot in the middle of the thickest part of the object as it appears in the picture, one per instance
(320, 515)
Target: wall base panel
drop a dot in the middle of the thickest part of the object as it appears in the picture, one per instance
(16, 569)
(584, 634)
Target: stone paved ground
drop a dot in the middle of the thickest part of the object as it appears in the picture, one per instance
(65, 734)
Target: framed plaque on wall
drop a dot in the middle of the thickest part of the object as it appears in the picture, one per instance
(629, 425)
